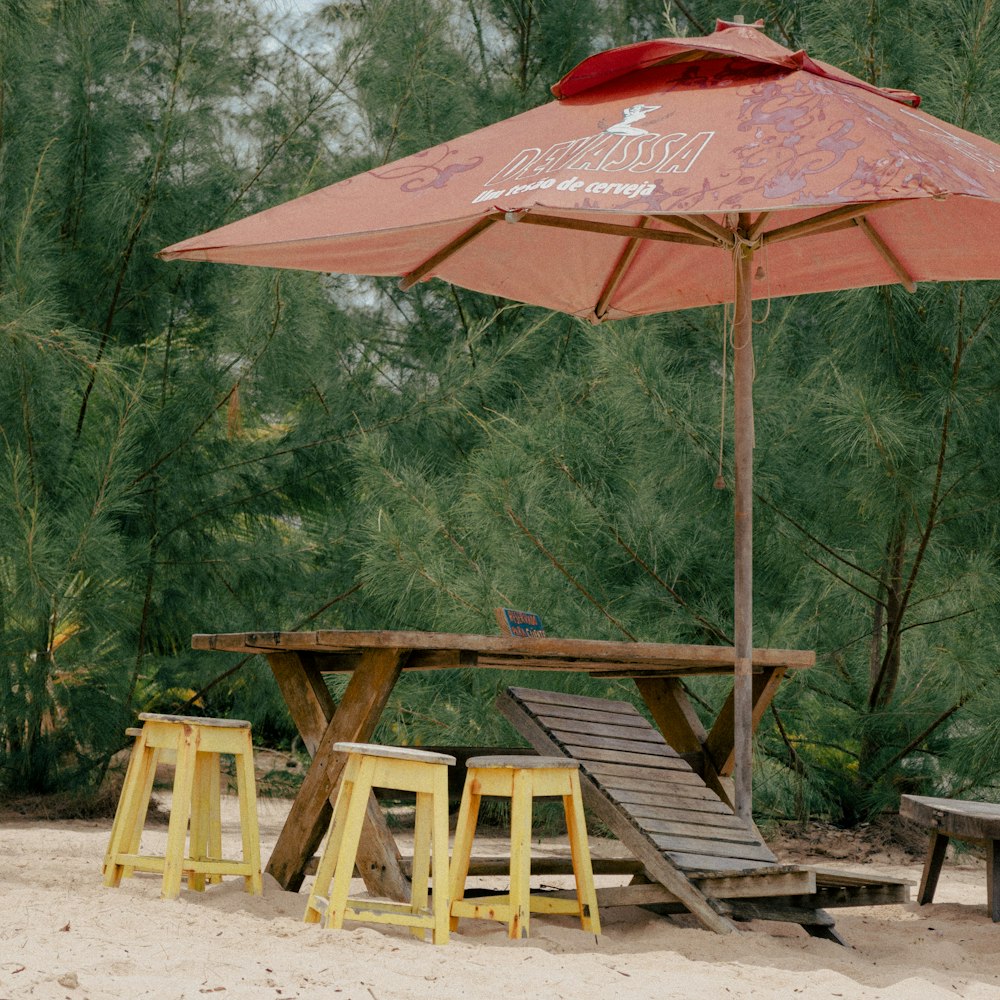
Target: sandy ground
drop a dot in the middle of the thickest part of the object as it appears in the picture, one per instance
(63, 935)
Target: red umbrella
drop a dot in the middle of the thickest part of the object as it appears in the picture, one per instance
(652, 183)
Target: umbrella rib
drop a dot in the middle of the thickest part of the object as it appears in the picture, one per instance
(754, 230)
(819, 223)
(616, 275)
(611, 229)
(700, 225)
(410, 279)
(890, 258)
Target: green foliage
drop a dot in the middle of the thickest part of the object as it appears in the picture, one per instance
(189, 448)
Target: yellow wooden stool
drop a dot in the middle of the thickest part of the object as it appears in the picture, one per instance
(521, 779)
(404, 769)
(196, 745)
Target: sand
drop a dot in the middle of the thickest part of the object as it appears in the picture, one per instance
(64, 935)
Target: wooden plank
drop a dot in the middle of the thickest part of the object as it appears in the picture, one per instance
(782, 881)
(572, 737)
(655, 864)
(619, 776)
(720, 744)
(354, 721)
(308, 699)
(936, 849)
(747, 909)
(552, 652)
(840, 896)
(686, 817)
(312, 707)
(748, 850)
(673, 713)
(716, 856)
(662, 770)
(960, 818)
(836, 877)
(626, 719)
(345, 661)
(647, 740)
(631, 895)
(680, 725)
(687, 862)
(563, 699)
(596, 667)
(701, 831)
(688, 810)
(499, 865)
(612, 756)
(993, 880)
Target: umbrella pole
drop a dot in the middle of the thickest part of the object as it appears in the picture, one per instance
(743, 510)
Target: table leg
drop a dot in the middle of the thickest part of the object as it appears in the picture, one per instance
(932, 866)
(677, 720)
(993, 879)
(322, 724)
(720, 742)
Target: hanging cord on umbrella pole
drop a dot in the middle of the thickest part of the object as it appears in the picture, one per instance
(728, 337)
(763, 271)
(720, 479)
(753, 245)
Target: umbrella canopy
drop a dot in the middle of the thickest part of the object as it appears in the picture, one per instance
(660, 140)
(651, 184)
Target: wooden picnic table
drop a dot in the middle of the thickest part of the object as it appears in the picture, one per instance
(375, 661)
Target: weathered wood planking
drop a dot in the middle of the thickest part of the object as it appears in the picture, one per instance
(643, 759)
(650, 798)
(342, 650)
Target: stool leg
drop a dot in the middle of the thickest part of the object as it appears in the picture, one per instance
(420, 874)
(201, 810)
(439, 849)
(246, 790)
(130, 778)
(993, 879)
(215, 815)
(180, 812)
(932, 867)
(465, 828)
(328, 859)
(126, 830)
(520, 855)
(354, 819)
(147, 777)
(583, 872)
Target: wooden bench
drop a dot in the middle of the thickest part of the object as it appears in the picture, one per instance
(696, 854)
(977, 822)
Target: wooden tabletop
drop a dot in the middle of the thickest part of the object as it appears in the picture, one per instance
(959, 818)
(340, 650)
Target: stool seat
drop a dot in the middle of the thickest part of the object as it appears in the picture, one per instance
(371, 765)
(195, 744)
(523, 762)
(195, 720)
(522, 778)
(396, 753)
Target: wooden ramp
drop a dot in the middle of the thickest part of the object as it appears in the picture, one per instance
(696, 854)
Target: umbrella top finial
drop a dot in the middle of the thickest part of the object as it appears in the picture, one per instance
(730, 40)
(738, 21)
